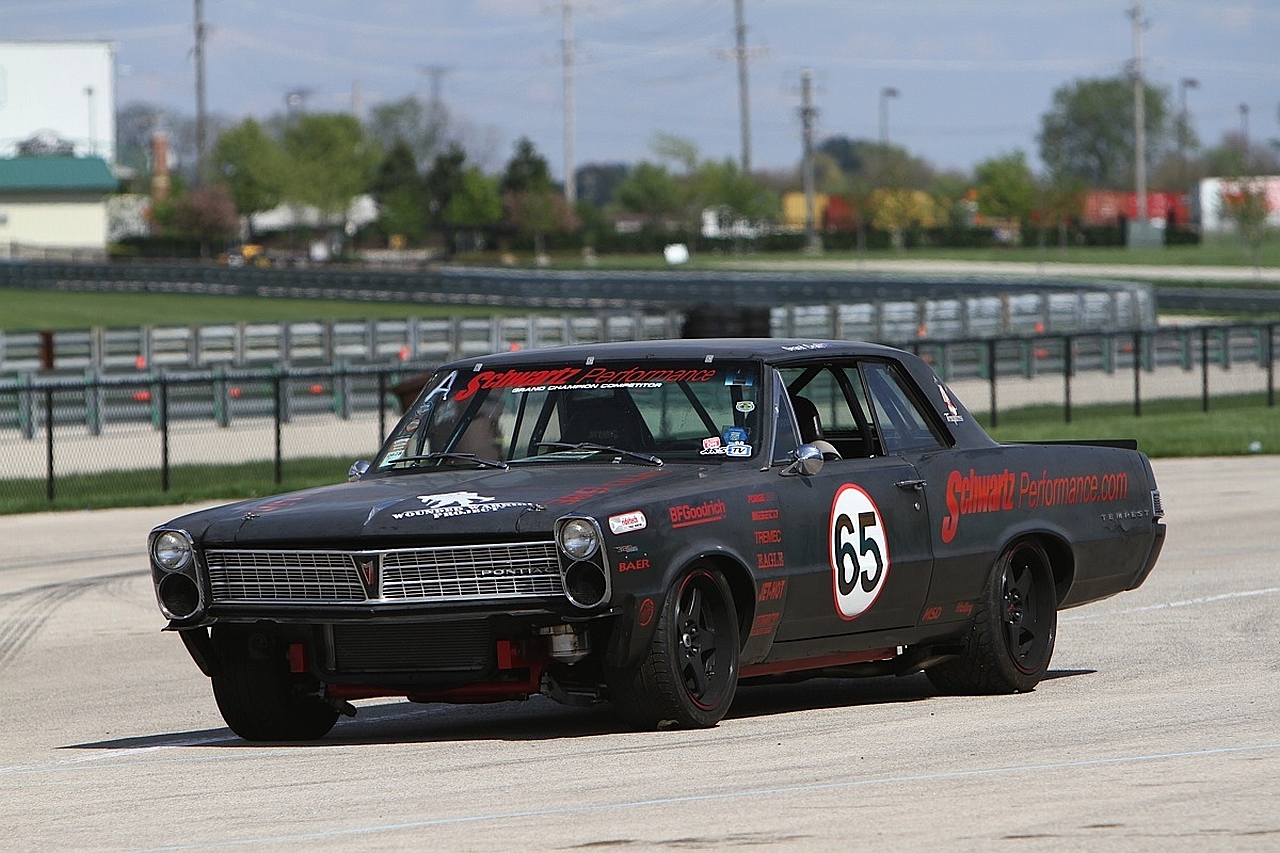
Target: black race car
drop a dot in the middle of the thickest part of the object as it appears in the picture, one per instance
(649, 524)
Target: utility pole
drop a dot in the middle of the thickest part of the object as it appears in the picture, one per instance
(566, 62)
(808, 114)
(200, 105)
(1139, 121)
(744, 110)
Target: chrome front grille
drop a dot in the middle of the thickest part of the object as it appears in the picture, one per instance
(457, 573)
(301, 576)
(482, 571)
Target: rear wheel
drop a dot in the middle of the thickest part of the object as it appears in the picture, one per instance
(689, 673)
(258, 697)
(1011, 641)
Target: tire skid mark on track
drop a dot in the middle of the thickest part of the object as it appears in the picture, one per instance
(71, 560)
(1170, 605)
(25, 612)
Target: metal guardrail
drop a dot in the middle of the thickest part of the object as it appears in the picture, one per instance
(52, 427)
(386, 341)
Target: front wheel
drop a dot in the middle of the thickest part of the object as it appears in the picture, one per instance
(1011, 641)
(689, 674)
(258, 697)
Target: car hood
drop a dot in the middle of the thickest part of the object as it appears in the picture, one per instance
(436, 505)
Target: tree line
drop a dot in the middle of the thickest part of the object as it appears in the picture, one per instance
(428, 175)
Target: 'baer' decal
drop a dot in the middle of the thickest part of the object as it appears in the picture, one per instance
(859, 551)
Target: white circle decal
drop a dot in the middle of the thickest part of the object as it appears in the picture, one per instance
(859, 551)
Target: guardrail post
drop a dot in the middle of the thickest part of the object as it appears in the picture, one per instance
(342, 391)
(382, 406)
(1271, 364)
(26, 410)
(92, 403)
(221, 406)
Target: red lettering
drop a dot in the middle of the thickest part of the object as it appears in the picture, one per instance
(761, 498)
(633, 565)
(931, 614)
(770, 560)
(768, 537)
(764, 623)
(764, 515)
(772, 590)
(687, 515)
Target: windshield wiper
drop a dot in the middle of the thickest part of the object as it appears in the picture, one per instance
(461, 457)
(603, 448)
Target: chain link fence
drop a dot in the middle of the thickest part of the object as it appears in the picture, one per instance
(68, 441)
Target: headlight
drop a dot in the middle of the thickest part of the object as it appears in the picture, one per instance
(578, 538)
(171, 550)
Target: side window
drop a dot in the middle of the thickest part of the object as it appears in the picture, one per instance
(903, 426)
(785, 438)
(835, 405)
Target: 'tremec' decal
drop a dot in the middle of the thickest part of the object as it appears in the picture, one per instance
(859, 551)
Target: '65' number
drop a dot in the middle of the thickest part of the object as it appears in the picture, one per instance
(859, 551)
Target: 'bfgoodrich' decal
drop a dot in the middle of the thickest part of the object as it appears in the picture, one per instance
(859, 551)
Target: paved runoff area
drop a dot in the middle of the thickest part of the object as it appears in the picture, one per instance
(1157, 729)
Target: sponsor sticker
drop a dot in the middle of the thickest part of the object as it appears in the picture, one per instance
(396, 450)
(952, 415)
(455, 504)
(627, 522)
(711, 443)
(735, 435)
(738, 449)
(746, 407)
(688, 515)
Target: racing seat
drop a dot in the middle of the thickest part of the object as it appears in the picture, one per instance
(811, 427)
(610, 421)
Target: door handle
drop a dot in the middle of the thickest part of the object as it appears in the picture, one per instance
(911, 485)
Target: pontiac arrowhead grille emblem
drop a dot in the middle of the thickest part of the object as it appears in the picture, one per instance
(369, 569)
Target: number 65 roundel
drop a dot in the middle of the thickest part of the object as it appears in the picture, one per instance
(859, 551)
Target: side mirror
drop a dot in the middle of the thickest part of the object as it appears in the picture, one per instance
(808, 461)
(357, 470)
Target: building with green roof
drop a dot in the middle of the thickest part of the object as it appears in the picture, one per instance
(54, 206)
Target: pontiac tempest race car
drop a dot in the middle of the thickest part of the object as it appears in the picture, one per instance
(649, 524)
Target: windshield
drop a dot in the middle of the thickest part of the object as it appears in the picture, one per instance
(649, 412)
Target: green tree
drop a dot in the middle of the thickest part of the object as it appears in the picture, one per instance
(422, 127)
(253, 166)
(1244, 204)
(1088, 132)
(724, 184)
(331, 161)
(526, 171)
(477, 204)
(651, 191)
(533, 205)
(400, 193)
(1006, 187)
(442, 182)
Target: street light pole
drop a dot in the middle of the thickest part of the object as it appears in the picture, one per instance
(885, 94)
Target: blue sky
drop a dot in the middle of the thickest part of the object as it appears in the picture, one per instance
(974, 76)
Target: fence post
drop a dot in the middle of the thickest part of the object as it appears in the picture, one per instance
(991, 374)
(1204, 368)
(1137, 374)
(48, 443)
(26, 409)
(92, 403)
(164, 434)
(1066, 376)
(1271, 364)
(275, 389)
(382, 406)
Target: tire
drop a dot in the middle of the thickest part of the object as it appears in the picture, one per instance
(1011, 641)
(257, 695)
(689, 674)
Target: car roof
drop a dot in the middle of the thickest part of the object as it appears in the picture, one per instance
(769, 350)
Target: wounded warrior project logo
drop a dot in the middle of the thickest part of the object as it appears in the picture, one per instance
(457, 503)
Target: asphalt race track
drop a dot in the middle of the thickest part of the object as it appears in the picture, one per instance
(1158, 729)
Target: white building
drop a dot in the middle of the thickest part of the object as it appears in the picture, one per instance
(66, 88)
(54, 206)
